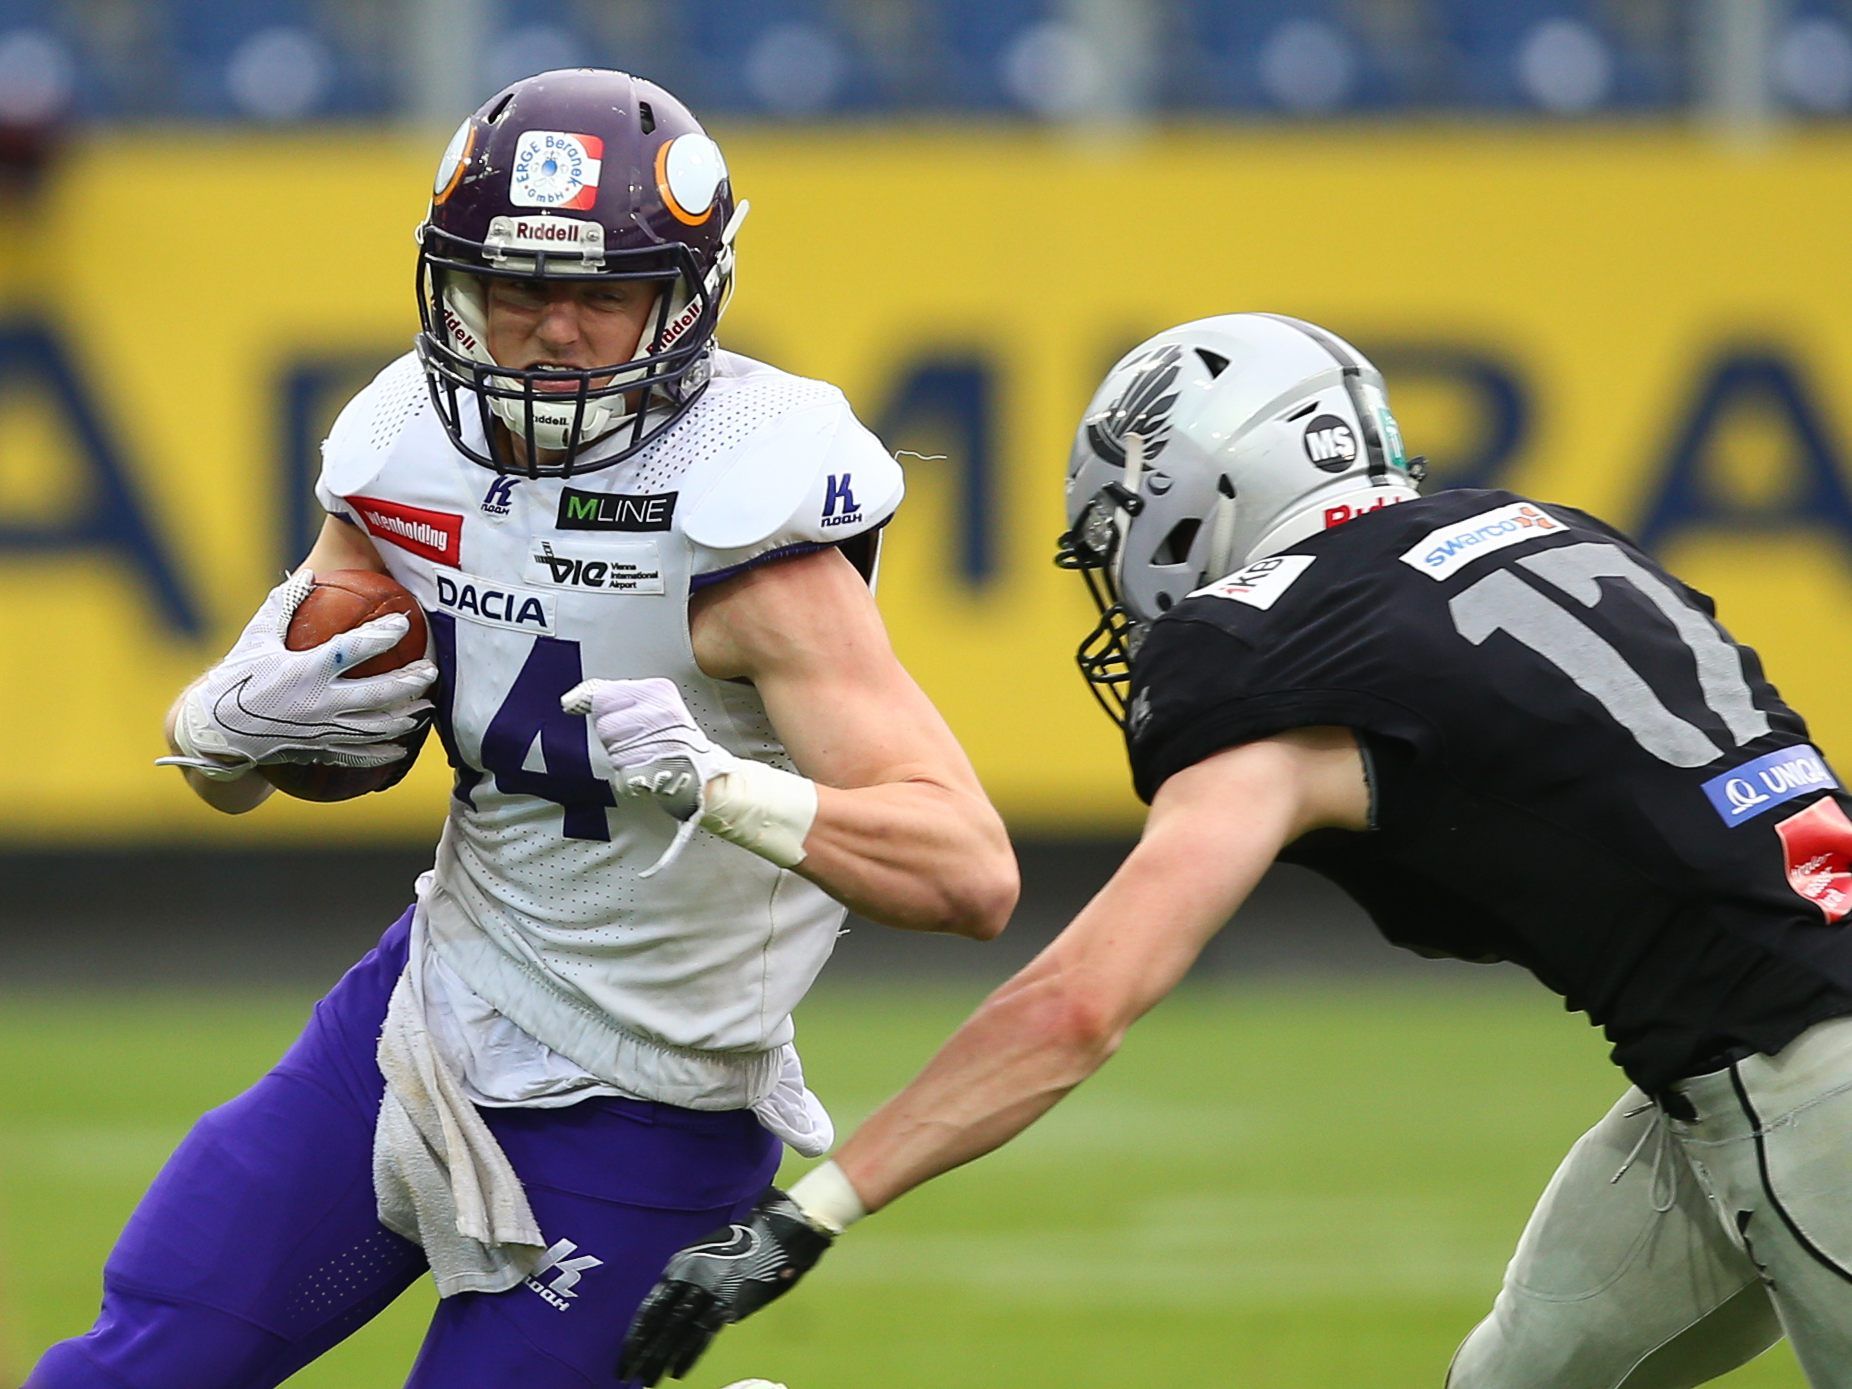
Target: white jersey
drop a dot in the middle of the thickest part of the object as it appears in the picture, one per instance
(678, 987)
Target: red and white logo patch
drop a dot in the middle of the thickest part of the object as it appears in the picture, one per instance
(1818, 842)
(556, 168)
(433, 535)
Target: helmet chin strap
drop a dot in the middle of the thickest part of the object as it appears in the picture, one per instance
(1318, 516)
(1122, 515)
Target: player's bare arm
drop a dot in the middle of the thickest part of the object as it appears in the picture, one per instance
(903, 832)
(1064, 1014)
(1043, 1032)
(340, 545)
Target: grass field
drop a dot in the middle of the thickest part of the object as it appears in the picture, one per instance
(1291, 1187)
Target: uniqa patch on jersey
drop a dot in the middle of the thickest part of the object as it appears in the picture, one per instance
(1261, 583)
(1770, 780)
(555, 168)
(628, 566)
(494, 604)
(1818, 842)
(1440, 552)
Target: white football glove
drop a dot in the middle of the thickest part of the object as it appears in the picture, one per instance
(656, 748)
(265, 703)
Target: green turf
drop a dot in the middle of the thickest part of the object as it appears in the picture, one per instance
(1305, 1187)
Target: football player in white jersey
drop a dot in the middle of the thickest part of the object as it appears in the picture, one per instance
(682, 745)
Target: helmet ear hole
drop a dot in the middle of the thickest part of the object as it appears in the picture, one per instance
(1175, 548)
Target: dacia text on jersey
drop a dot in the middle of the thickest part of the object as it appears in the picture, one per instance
(493, 604)
(1440, 552)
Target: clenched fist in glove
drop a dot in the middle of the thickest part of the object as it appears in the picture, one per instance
(657, 750)
(725, 1278)
(265, 703)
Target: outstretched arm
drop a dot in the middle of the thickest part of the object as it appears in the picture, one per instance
(1214, 829)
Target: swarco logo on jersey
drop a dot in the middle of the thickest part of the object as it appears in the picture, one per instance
(1330, 443)
(1261, 583)
(615, 511)
(498, 501)
(625, 567)
(1773, 779)
(433, 535)
(562, 1274)
(555, 168)
(1440, 552)
(839, 505)
(493, 604)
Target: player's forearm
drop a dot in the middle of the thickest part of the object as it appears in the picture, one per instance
(914, 855)
(1030, 1043)
(1065, 1013)
(232, 797)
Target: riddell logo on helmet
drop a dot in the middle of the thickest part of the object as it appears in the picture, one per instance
(460, 335)
(1344, 511)
(549, 229)
(683, 322)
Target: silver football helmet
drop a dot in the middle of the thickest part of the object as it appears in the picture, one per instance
(1212, 444)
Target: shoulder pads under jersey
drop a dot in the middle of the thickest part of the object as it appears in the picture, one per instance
(811, 475)
(363, 434)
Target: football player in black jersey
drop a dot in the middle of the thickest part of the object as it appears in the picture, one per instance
(1510, 735)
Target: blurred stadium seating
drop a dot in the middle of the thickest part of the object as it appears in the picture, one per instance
(294, 60)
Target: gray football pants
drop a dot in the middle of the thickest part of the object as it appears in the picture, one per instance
(1668, 1251)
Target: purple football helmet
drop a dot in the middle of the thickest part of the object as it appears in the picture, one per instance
(581, 174)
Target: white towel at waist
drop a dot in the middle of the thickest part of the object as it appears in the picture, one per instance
(439, 1176)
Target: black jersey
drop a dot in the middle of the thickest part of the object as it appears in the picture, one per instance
(1572, 765)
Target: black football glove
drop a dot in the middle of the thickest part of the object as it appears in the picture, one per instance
(726, 1277)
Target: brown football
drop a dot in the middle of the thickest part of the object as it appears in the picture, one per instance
(340, 601)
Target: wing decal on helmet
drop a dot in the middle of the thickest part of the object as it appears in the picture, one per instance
(1143, 408)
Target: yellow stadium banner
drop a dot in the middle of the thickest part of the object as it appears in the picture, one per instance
(1642, 323)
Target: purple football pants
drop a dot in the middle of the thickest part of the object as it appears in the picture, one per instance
(259, 1247)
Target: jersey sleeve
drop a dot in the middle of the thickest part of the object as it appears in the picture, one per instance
(1206, 681)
